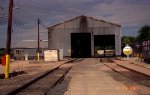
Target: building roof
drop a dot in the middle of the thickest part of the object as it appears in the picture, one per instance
(86, 17)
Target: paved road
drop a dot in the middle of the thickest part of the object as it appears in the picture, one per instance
(90, 77)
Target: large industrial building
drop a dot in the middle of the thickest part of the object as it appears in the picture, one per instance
(86, 37)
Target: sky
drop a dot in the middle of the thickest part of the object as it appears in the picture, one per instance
(130, 14)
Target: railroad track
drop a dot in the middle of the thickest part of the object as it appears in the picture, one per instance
(134, 63)
(127, 72)
(43, 84)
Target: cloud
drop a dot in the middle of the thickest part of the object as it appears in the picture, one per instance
(124, 12)
(119, 11)
(131, 14)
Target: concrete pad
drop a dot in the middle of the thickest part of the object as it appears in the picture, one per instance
(89, 79)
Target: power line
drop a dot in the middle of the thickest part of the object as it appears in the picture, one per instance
(21, 26)
(43, 25)
(3, 18)
(18, 22)
(4, 12)
(3, 21)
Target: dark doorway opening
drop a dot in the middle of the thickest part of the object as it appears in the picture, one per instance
(104, 45)
(80, 45)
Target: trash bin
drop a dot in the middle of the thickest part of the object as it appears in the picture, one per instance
(26, 56)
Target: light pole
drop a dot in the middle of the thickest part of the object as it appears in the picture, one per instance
(38, 54)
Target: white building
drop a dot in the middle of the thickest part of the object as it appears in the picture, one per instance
(86, 37)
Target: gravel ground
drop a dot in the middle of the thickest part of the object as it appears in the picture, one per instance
(33, 70)
(60, 88)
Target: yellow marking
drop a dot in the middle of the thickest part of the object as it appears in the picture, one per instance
(7, 66)
(38, 56)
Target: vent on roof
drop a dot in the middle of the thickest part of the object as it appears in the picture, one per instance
(83, 24)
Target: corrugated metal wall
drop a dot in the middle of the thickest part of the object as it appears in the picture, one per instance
(59, 35)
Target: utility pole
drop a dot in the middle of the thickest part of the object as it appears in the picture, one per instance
(38, 55)
(8, 44)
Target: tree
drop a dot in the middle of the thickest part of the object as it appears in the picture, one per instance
(144, 33)
(127, 40)
(2, 51)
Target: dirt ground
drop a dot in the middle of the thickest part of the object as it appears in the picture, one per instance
(30, 67)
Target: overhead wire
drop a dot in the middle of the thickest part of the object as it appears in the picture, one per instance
(43, 25)
(18, 22)
(2, 21)
(21, 24)
(3, 16)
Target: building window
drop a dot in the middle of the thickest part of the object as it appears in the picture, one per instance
(18, 51)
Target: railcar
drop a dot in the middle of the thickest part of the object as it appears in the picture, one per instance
(146, 50)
